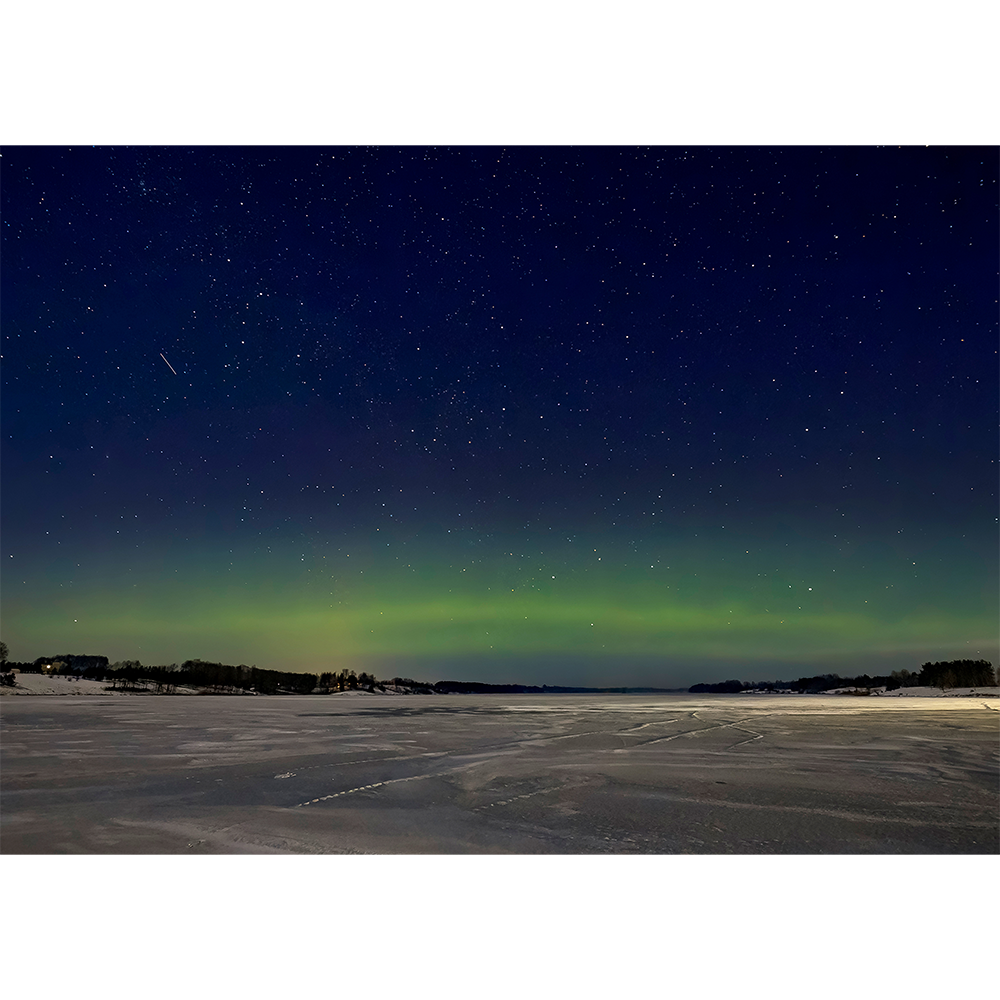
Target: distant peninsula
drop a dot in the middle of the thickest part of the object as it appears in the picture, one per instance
(944, 675)
(224, 678)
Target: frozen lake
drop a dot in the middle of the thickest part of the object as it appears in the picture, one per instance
(555, 774)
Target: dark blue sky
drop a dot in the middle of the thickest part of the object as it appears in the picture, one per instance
(598, 414)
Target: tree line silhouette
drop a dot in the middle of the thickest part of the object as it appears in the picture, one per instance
(943, 675)
(217, 678)
(225, 678)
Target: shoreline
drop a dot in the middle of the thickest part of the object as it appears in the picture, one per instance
(40, 685)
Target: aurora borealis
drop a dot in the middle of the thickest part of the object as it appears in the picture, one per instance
(589, 416)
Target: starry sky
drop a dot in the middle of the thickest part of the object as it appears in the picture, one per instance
(595, 415)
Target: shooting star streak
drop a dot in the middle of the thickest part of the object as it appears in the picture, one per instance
(168, 364)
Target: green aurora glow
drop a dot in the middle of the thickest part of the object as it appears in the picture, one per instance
(665, 608)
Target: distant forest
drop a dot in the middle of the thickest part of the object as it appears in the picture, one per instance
(224, 678)
(948, 674)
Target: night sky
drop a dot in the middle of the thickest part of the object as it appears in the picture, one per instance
(597, 415)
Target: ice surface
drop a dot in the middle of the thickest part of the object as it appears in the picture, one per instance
(560, 774)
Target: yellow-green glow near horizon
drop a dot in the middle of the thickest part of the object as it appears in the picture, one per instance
(445, 614)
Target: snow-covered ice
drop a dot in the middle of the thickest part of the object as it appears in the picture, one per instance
(562, 774)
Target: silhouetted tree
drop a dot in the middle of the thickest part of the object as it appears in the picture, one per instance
(6, 677)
